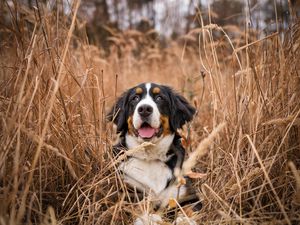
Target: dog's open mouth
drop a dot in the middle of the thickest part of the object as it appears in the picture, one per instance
(146, 131)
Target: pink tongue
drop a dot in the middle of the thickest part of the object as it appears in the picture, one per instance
(146, 132)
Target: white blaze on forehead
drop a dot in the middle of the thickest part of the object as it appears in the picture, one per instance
(148, 86)
(154, 118)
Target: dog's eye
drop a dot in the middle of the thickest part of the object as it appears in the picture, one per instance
(136, 98)
(158, 98)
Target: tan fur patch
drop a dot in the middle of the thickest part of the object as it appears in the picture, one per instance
(139, 90)
(156, 90)
(130, 125)
(188, 211)
(165, 124)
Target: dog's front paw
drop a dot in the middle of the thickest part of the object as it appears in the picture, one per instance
(148, 219)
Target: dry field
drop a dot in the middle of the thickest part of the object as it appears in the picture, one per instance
(56, 161)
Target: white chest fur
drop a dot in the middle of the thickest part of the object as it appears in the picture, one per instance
(146, 175)
(146, 169)
(156, 152)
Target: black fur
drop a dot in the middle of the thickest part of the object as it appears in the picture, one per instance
(182, 111)
(118, 113)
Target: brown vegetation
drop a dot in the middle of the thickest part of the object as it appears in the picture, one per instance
(56, 161)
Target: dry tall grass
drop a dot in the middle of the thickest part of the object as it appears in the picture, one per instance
(56, 161)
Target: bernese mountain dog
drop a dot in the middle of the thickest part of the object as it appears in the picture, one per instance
(153, 113)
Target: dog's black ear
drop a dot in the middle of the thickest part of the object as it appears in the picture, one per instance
(181, 112)
(119, 111)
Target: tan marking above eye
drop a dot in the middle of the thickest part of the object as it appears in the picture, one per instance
(139, 90)
(156, 90)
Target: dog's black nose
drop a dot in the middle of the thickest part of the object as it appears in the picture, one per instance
(145, 110)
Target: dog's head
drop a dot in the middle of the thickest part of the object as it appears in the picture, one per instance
(149, 111)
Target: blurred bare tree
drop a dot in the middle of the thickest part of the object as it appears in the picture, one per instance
(104, 18)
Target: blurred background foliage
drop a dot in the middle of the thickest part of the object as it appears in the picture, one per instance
(161, 20)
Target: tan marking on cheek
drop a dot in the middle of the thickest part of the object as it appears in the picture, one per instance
(165, 124)
(130, 125)
(156, 90)
(139, 90)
